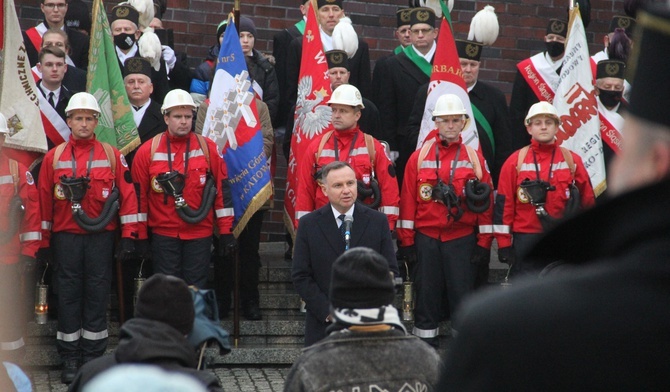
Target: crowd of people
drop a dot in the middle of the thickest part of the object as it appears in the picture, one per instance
(371, 177)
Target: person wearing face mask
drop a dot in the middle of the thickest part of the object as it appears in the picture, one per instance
(610, 90)
(166, 70)
(618, 46)
(536, 80)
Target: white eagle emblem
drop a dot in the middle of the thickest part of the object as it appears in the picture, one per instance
(312, 117)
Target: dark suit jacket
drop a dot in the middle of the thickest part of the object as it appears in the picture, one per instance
(151, 125)
(317, 245)
(280, 45)
(75, 79)
(79, 43)
(63, 99)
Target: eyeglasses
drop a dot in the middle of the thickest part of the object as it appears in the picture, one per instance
(421, 31)
(54, 5)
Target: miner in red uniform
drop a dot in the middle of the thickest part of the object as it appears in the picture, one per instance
(84, 184)
(445, 217)
(183, 191)
(538, 184)
(19, 240)
(375, 173)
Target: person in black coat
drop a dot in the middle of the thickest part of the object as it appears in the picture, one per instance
(52, 66)
(599, 319)
(75, 78)
(402, 79)
(359, 63)
(320, 241)
(280, 44)
(54, 18)
(164, 316)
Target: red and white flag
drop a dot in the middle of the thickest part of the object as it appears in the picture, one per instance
(447, 78)
(576, 103)
(18, 94)
(312, 115)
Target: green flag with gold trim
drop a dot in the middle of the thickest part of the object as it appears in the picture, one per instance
(105, 81)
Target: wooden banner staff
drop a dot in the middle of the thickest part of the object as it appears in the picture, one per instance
(236, 258)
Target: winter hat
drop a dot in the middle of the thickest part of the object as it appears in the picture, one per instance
(221, 28)
(166, 299)
(361, 280)
(247, 25)
(78, 16)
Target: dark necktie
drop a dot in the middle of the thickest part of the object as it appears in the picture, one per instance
(51, 99)
(341, 218)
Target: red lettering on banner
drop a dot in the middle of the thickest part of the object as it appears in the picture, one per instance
(583, 106)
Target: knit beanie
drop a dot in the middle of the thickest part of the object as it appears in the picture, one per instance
(247, 25)
(166, 299)
(361, 280)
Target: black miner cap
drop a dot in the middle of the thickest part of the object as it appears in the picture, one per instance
(648, 66)
(469, 49)
(402, 16)
(558, 27)
(623, 22)
(137, 65)
(337, 58)
(422, 15)
(125, 11)
(610, 69)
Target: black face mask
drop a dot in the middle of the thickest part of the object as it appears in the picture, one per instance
(555, 49)
(124, 41)
(610, 98)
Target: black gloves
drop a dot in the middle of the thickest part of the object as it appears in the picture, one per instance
(506, 255)
(227, 244)
(480, 256)
(126, 249)
(143, 249)
(45, 255)
(407, 253)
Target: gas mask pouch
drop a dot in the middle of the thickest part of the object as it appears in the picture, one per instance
(173, 184)
(536, 190)
(446, 194)
(74, 188)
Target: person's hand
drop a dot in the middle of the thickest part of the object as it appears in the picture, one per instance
(227, 244)
(168, 56)
(506, 255)
(126, 249)
(480, 256)
(45, 255)
(407, 253)
(143, 249)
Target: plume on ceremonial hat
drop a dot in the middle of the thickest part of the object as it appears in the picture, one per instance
(345, 37)
(146, 10)
(150, 47)
(484, 27)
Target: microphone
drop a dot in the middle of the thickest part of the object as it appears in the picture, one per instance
(348, 221)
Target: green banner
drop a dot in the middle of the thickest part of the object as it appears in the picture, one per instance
(105, 81)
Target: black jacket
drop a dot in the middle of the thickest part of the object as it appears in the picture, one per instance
(264, 74)
(149, 342)
(79, 43)
(604, 325)
(151, 125)
(317, 245)
(281, 42)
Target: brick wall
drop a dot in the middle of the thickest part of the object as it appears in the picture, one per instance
(522, 26)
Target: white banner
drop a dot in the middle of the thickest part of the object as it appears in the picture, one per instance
(576, 104)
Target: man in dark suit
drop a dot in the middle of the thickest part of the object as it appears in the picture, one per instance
(320, 240)
(329, 14)
(54, 18)
(75, 78)
(601, 322)
(52, 66)
(405, 73)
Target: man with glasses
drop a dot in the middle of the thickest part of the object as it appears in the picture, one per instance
(54, 18)
(405, 73)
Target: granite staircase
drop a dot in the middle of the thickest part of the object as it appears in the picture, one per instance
(276, 339)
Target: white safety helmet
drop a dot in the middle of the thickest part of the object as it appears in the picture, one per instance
(347, 94)
(3, 124)
(82, 101)
(449, 105)
(176, 98)
(542, 107)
